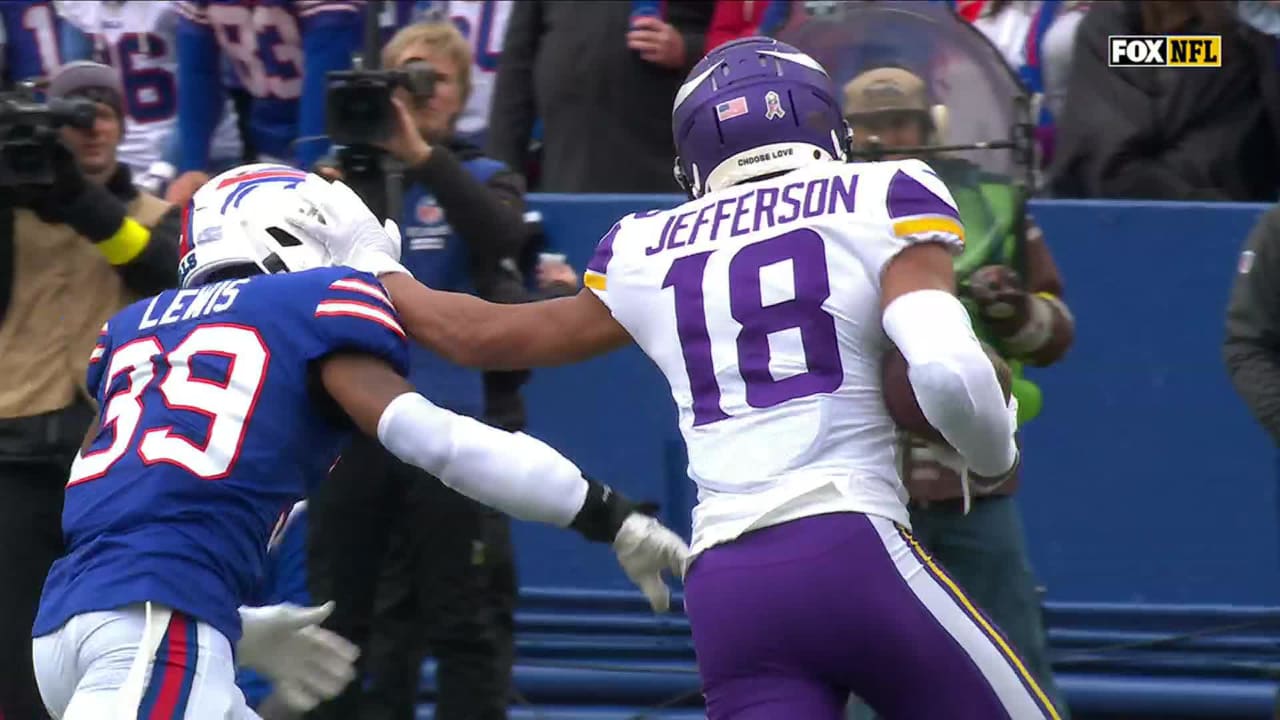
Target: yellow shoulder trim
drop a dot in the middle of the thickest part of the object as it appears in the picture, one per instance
(916, 226)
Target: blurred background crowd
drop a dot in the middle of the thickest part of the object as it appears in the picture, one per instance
(1007, 99)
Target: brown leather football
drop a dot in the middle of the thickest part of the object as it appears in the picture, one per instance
(900, 397)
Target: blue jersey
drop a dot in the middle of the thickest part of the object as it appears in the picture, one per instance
(210, 427)
(281, 52)
(29, 34)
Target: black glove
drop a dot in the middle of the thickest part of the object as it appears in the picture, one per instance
(89, 208)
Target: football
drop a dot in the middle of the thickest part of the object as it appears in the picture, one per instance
(900, 397)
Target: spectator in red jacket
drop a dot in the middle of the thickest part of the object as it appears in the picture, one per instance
(735, 19)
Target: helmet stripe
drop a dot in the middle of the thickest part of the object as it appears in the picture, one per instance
(185, 241)
(282, 172)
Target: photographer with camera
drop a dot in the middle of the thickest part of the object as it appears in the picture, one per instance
(463, 213)
(77, 243)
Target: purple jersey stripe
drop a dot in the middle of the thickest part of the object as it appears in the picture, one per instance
(907, 197)
(604, 251)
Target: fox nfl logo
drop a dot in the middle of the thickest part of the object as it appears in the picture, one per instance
(1164, 51)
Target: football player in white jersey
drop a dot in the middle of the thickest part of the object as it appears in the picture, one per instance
(484, 24)
(138, 39)
(767, 301)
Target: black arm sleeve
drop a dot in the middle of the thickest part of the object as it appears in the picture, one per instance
(488, 216)
(1252, 346)
(512, 111)
(155, 269)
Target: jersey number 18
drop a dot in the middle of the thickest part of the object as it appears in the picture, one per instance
(805, 251)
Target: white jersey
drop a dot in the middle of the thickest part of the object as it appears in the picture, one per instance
(761, 305)
(138, 39)
(484, 24)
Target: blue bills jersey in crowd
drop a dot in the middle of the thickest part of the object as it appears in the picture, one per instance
(29, 34)
(211, 427)
(281, 52)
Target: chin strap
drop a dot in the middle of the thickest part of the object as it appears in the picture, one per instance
(683, 180)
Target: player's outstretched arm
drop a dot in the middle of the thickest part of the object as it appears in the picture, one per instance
(512, 472)
(478, 333)
(953, 379)
(465, 329)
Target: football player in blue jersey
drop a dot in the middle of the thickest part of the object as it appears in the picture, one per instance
(222, 402)
(29, 40)
(281, 51)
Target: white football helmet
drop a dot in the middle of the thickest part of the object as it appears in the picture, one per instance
(239, 218)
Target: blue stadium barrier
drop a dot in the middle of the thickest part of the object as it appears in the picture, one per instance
(1149, 494)
(588, 649)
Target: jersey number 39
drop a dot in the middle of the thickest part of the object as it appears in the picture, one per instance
(228, 405)
(805, 251)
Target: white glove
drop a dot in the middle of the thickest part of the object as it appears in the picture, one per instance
(645, 548)
(348, 228)
(307, 663)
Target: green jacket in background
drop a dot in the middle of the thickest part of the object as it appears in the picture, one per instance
(989, 204)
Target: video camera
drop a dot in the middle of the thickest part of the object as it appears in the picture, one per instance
(358, 109)
(29, 134)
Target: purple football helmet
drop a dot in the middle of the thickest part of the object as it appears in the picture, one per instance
(754, 107)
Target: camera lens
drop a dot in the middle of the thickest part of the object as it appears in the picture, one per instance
(361, 109)
(360, 115)
(26, 158)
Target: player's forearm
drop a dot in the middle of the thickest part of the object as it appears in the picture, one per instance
(953, 379)
(473, 332)
(512, 472)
